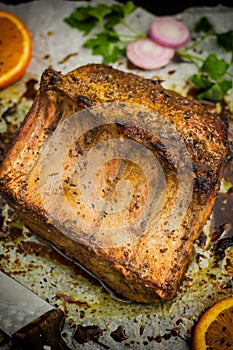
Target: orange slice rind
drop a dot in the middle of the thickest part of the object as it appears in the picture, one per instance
(15, 48)
(214, 330)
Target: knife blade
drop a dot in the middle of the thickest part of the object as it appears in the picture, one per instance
(30, 321)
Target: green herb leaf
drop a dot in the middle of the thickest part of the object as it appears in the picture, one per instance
(203, 25)
(115, 17)
(201, 80)
(119, 13)
(226, 40)
(128, 8)
(100, 38)
(210, 78)
(214, 67)
(99, 11)
(80, 14)
(103, 17)
(216, 92)
(106, 46)
(211, 75)
(81, 20)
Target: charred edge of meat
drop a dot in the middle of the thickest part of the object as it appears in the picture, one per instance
(225, 116)
(84, 101)
(205, 180)
(50, 78)
(54, 79)
(206, 184)
(229, 152)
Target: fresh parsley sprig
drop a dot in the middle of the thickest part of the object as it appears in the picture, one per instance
(103, 18)
(212, 72)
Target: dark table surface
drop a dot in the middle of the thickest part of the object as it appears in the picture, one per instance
(170, 8)
(159, 7)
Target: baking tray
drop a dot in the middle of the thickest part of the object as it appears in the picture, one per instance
(89, 306)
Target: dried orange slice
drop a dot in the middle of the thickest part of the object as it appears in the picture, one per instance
(214, 330)
(15, 48)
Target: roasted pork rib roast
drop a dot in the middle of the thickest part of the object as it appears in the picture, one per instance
(117, 173)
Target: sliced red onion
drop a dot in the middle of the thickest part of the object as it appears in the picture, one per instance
(169, 32)
(146, 54)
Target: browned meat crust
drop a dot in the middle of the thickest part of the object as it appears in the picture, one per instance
(149, 267)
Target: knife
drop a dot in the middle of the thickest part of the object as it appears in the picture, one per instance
(30, 321)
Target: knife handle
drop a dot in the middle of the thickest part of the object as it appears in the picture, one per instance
(44, 331)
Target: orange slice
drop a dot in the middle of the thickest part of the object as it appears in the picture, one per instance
(15, 48)
(214, 330)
